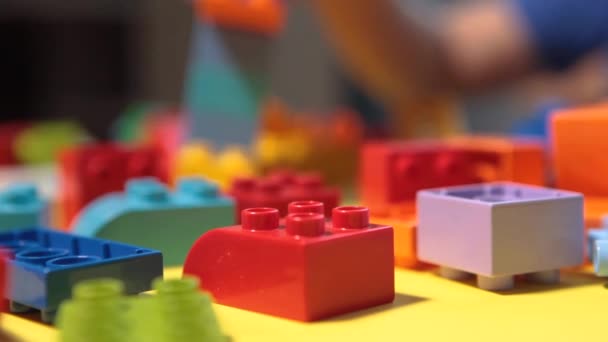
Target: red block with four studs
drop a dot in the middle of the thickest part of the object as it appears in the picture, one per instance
(303, 268)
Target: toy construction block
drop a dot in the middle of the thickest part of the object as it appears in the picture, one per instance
(307, 269)
(392, 172)
(278, 189)
(579, 144)
(178, 312)
(90, 171)
(148, 214)
(597, 245)
(256, 16)
(21, 206)
(46, 264)
(499, 230)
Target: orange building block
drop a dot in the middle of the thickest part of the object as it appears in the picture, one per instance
(516, 159)
(404, 227)
(580, 142)
(260, 16)
(595, 209)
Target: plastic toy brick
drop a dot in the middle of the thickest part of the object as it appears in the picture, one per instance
(46, 264)
(3, 279)
(498, 230)
(22, 207)
(597, 240)
(306, 270)
(259, 16)
(405, 240)
(520, 160)
(179, 312)
(148, 214)
(278, 189)
(198, 159)
(578, 146)
(87, 172)
(9, 132)
(392, 172)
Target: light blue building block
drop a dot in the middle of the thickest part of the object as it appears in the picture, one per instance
(147, 214)
(227, 80)
(597, 240)
(21, 206)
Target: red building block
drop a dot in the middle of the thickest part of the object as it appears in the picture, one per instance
(307, 269)
(392, 172)
(279, 189)
(8, 134)
(87, 172)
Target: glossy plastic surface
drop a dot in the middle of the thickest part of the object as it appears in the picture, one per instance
(90, 171)
(257, 16)
(500, 229)
(307, 269)
(149, 214)
(46, 264)
(21, 206)
(281, 188)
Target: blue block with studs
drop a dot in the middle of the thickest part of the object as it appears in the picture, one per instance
(45, 264)
(149, 214)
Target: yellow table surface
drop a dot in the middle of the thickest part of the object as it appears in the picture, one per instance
(426, 308)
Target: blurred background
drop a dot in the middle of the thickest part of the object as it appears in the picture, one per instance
(89, 60)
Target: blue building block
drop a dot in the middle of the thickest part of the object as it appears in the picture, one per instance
(46, 264)
(149, 215)
(22, 207)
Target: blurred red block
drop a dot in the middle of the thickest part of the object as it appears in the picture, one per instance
(89, 171)
(308, 270)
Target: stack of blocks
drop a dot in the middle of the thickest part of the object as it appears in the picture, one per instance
(306, 268)
(46, 264)
(87, 172)
(230, 54)
(148, 214)
(99, 312)
(391, 173)
(499, 230)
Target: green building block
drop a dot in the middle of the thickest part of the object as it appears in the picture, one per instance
(151, 216)
(95, 314)
(99, 312)
(21, 206)
(179, 312)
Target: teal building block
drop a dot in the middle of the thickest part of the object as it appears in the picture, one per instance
(227, 80)
(147, 214)
(21, 206)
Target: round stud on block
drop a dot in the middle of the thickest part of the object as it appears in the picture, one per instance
(350, 217)
(268, 186)
(544, 277)
(40, 256)
(305, 224)
(453, 274)
(495, 283)
(147, 190)
(19, 194)
(185, 313)
(96, 313)
(198, 188)
(284, 177)
(260, 219)
(600, 258)
(306, 207)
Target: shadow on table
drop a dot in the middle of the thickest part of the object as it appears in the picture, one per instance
(400, 300)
